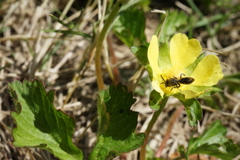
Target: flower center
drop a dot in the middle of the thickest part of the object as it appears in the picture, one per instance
(169, 80)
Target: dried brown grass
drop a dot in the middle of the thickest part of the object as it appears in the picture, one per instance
(23, 47)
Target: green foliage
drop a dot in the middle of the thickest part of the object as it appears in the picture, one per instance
(3, 29)
(68, 32)
(143, 85)
(175, 20)
(117, 124)
(214, 143)
(144, 4)
(164, 56)
(141, 54)
(70, 25)
(209, 91)
(189, 69)
(231, 81)
(4, 67)
(36, 115)
(193, 110)
(39, 124)
(211, 101)
(129, 28)
(155, 100)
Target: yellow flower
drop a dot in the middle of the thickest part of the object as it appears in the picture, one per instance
(183, 59)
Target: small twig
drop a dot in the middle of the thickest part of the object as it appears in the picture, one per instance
(195, 8)
(229, 96)
(123, 61)
(17, 38)
(235, 108)
(231, 47)
(183, 7)
(68, 6)
(115, 71)
(29, 153)
(134, 80)
(92, 122)
(158, 11)
(218, 52)
(5, 127)
(162, 12)
(217, 111)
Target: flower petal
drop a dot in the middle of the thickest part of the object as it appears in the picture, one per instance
(164, 57)
(208, 71)
(190, 94)
(183, 52)
(153, 53)
(156, 86)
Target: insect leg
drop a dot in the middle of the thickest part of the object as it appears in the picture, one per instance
(181, 75)
(163, 79)
(178, 85)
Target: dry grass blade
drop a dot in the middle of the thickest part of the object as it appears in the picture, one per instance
(65, 63)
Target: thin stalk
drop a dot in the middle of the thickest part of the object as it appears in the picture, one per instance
(100, 40)
(162, 26)
(66, 9)
(195, 8)
(150, 125)
(199, 13)
(113, 73)
(134, 80)
(85, 131)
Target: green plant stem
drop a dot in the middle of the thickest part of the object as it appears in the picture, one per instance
(162, 26)
(100, 40)
(199, 13)
(150, 125)
(195, 8)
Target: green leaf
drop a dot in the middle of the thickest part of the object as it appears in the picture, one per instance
(189, 69)
(70, 26)
(117, 124)
(150, 72)
(39, 124)
(214, 143)
(68, 32)
(55, 47)
(155, 100)
(129, 28)
(233, 76)
(164, 60)
(4, 67)
(103, 118)
(231, 81)
(174, 21)
(193, 110)
(181, 150)
(208, 91)
(205, 91)
(141, 54)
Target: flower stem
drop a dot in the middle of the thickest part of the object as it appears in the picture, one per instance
(100, 40)
(150, 125)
